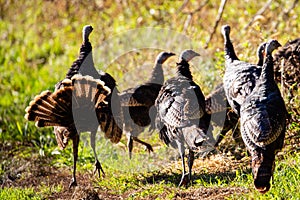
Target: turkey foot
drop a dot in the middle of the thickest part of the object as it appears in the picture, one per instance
(98, 167)
(184, 180)
(148, 148)
(73, 183)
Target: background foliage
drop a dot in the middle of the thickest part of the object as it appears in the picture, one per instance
(40, 39)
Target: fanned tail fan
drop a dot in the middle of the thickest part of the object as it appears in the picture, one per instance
(57, 108)
(63, 134)
(50, 109)
(110, 118)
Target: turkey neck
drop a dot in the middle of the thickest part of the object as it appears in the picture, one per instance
(87, 66)
(229, 50)
(157, 74)
(84, 63)
(260, 60)
(267, 75)
(183, 69)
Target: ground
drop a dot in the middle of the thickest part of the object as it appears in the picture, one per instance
(215, 175)
(38, 172)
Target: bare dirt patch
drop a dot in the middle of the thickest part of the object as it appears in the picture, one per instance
(38, 172)
(22, 167)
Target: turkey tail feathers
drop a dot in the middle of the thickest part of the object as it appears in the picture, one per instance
(111, 128)
(194, 136)
(111, 117)
(262, 169)
(45, 110)
(216, 101)
(86, 89)
(62, 135)
(56, 109)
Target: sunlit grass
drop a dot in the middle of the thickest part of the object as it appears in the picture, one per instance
(19, 193)
(29, 193)
(39, 44)
(284, 185)
(36, 52)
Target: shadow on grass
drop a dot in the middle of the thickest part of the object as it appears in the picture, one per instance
(208, 178)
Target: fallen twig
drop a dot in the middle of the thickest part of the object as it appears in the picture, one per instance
(220, 13)
(197, 9)
(284, 14)
(185, 3)
(190, 15)
(260, 12)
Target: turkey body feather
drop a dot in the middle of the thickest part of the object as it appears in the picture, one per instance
(180, 106)
(239, 81)
(216, 102)
(181, 102)
(81, 102)
(138, 104)
(263, 122)
(142, 95)
(220, 113)
(240, 77)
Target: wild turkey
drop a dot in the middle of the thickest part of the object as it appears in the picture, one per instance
(110, 118)
(220, 113)
(289, 77)
(290, 52)
(263, 122)
(216, 104)
(240, 77)
(216, 100)
(137, 104)
(180, 105)
(59, 109)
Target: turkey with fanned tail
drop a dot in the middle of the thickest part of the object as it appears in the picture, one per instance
(180, 106)
(81, 102)
(138, 104)
(263, 122)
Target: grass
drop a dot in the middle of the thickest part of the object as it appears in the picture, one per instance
(39, 44)
(19, 193)
(140, 179)
(285, 183)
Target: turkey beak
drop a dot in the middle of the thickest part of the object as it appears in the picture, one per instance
(195, 55)
(278, 45)
(168, 55)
